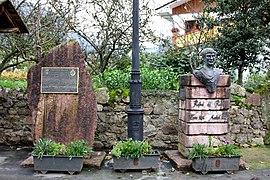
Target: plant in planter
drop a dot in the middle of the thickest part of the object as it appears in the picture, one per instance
(133, 155)
(52, 156)
(225, 157)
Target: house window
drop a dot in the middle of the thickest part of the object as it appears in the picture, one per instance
(191, 26)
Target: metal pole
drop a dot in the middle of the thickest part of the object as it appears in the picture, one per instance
(135, 112)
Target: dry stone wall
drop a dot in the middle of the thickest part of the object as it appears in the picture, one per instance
(246, 127)
(15, 119)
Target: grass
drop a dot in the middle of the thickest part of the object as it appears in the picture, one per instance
(9, 79)
(256, 157)
(9, 83)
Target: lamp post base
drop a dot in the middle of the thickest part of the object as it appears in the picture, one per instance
(135, 124)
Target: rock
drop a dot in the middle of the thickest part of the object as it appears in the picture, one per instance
(254, 99)
(102, 96)
(99, 107)
(158, 144)
(169, 130)
(238, 90)
(150, 130)
(63, 117)
(242, 139)
(235, 128)
(257, 141)
(126, 99)
(159, 109)
(98, 145)
(148, 110)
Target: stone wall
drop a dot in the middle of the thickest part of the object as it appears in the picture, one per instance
(160, 118)
(15, 119)
(247, 126)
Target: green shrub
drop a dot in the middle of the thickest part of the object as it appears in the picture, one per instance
(131, 149)
(164, 79)
(258, 83)
(202, 151)
(50, 147)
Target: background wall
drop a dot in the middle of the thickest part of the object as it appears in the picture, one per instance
(248, 125)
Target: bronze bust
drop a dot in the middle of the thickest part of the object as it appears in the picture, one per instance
(208, 75)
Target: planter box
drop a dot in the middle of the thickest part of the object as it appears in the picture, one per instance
(214, 163)
(58, 163)
(146, 162)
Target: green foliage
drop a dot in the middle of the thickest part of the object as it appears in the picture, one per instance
(164, 79)
(174, 58)
(202, 151)
(117, 93)
(240, 101)
(227, 150)
(198, 151)
(257, 83)
(42, 147)
(8, 83)
(112, 79)
(50, 147)
(56, 149)
(78, 148)
(131, 149)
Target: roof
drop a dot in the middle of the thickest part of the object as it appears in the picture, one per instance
(10, 21)
(178, 3)
(166, 4)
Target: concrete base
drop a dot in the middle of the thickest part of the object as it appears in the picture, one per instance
(94, 162)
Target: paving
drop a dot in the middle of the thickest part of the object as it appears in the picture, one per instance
(11, 169)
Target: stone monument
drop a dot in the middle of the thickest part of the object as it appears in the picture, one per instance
(203, 106)
(60, 96)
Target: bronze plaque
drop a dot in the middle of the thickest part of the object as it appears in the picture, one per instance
(59, 79)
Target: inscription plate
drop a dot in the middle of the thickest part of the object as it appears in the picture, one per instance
(205, 104)
(204, 116)
(59, 79)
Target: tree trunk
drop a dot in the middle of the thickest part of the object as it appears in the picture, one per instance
(240, 75)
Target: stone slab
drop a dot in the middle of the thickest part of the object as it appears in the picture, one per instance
(203, 128)
(29, 162)
(205, 104)
(202, 93)
(179, 162)
(188, 141)
(203, 116)
(191, 80)
(95, 161)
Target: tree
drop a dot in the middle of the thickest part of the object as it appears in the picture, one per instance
(20, 49)
(243, 27)
(104, 28)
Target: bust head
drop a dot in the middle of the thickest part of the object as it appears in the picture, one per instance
(209, 56)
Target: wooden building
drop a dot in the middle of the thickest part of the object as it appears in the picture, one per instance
(187, 6)
(10, 21)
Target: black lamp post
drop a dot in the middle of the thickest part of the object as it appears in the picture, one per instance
(135, 111)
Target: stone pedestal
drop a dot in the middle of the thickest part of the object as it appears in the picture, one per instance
(202, 114)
